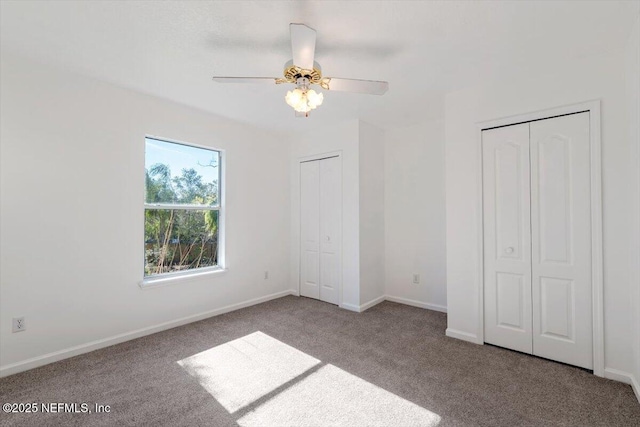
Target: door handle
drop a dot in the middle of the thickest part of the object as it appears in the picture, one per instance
(509, 250)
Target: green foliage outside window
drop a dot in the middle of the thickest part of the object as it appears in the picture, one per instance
(179, 239)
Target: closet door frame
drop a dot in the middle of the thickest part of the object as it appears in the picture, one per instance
(297, 212)
(593, 107)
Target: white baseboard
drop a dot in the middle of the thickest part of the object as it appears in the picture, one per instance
(405, 301)
(362, 307)
(618, 375)
(371, 303)
(55, 356)
(350, 307)
(414, 303)
(624, 377)
(465, 336)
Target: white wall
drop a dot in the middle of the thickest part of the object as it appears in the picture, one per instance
(72, 191)
(415, 239)
(590, 78)
(372, 221)
(342, 138)
(632, 71)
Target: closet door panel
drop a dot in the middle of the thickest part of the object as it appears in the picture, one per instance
(507, 241)
(330, 228)
(561, 239)
(310, 229)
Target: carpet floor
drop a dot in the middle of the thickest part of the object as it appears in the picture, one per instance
(297, 361)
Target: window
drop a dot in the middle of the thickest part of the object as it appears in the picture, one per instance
(182, 209)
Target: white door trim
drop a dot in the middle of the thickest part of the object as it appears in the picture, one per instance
(311, 158)
(596, 216)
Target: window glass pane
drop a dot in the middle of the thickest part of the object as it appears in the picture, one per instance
(181, 174)
(179, 240)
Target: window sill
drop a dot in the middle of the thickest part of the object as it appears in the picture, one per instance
(158, 282)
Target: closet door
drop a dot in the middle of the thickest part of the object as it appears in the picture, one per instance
(321, 229)
(310, 229)
(507, 237)
(330, 228)
(561, 246)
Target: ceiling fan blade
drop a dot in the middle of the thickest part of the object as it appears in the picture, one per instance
(303, 45)
(271, 80)
(372, 87)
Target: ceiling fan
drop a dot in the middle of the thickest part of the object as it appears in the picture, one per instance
(303, 71)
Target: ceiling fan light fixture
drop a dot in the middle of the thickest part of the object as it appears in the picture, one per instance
(302, 100)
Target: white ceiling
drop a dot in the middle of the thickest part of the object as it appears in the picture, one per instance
(424, 49)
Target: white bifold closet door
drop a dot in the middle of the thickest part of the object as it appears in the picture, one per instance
(507, 238)
(537, 238)
(320, 229)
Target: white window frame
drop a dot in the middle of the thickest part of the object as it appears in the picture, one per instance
(163, 279)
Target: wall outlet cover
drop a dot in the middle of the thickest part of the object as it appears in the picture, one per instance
(18, 324)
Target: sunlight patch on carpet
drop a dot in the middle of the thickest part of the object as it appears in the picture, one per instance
(266, 382)
(330, 397)
(241, 371)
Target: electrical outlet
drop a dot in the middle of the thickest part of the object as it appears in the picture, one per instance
(19, 324)
(266, 275)
(416, 278)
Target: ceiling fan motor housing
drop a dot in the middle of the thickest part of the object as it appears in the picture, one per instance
(292, 74)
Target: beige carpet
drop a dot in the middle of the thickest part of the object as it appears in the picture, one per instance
(296, 361)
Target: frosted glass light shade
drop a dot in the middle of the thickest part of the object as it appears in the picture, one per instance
(314, 99)
(293, 97)
(303, 101)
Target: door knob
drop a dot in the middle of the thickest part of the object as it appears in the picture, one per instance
(509, 250)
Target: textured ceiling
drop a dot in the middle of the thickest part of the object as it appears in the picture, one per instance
(424, 49)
